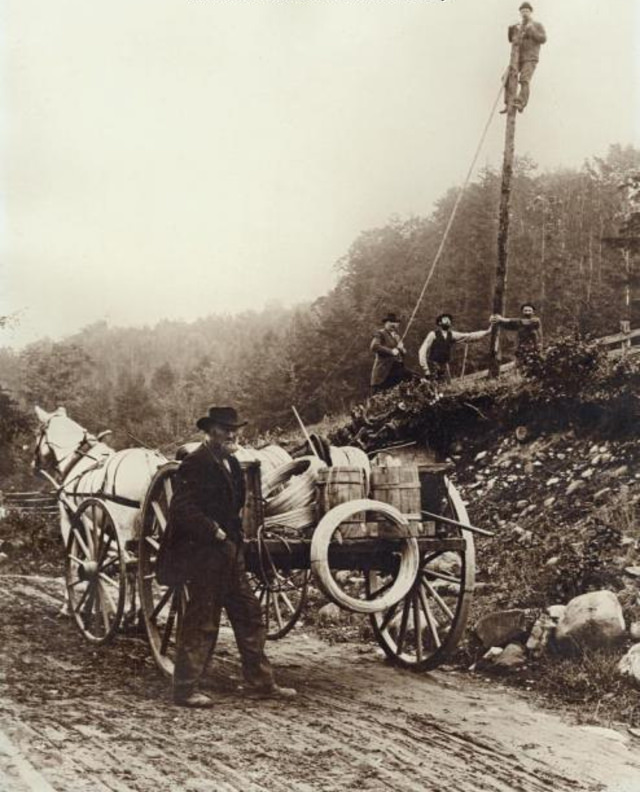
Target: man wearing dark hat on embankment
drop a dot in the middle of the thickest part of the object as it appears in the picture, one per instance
(388, 363)
(532, 35)
(529, 332)
(435, 352)
(203, 546)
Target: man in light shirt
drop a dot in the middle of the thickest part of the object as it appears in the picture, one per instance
(435, 352)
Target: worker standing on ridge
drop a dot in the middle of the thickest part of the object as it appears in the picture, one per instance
(529, 330)
(435, 352)
(532, 35)
(388, 364)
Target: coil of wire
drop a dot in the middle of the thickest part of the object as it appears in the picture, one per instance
(291, 486)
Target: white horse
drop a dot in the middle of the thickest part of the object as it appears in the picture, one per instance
(84, 467)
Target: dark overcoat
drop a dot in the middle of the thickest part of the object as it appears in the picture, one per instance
(382, 346)
(206, 496)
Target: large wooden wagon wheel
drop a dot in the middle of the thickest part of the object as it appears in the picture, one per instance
(96, 572)
(421, 630)
(161, 606)
(281, 591)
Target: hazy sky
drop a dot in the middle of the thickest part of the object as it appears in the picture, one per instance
(173, 158)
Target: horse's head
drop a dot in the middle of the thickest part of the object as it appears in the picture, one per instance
(58, 438)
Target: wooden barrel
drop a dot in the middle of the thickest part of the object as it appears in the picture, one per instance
(340, 484)
(399, 486)
(253, 510)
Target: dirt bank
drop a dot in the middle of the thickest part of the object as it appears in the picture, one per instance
(74, 719)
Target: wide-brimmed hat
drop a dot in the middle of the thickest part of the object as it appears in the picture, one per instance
(390, 317)
(527, 305)
(223, 416)
(526, 5)
(441, 316)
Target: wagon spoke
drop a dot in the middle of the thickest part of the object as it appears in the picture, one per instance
(439, 600)
(417, 627)
(267, 614)
(109, 581)
(80, 541)
(161, 603)
(159, 514)
(168, 627)
(403, 624)
(287, 602)
(276, 607)
(388, 617)
(105, 552)
(430, 619)
(441, 576)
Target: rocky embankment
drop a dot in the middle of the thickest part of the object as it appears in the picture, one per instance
(561, 577)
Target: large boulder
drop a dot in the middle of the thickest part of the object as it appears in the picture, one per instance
(630, 663)
(501, 627)
(591, 620)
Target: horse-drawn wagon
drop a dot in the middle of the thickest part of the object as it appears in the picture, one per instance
(390, 540)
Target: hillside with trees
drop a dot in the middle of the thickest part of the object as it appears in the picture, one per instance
(152, 381)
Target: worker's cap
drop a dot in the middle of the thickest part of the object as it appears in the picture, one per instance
(222, 416)
(527, 305)
(526, 5)
(391, 317)
(442, 316)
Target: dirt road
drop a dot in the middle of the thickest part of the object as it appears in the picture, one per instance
(73, 719)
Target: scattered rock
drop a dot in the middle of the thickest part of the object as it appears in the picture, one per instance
(620, 471)
(480, 456)
(3, 557)
(500, 627)
(556, 612)
(522, 504)
(552, 481)
(633, 571)
(550, 501)
(522, 434)
(514, 655)
(330, 614)
(599, 497)
(553, 561)
(575, 486)
(540, 634)
(634, 631)
(588, 473)
(630, 663)
(594, 619)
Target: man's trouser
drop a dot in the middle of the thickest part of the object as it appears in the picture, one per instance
(524, 78)
(396, 375)
(226, 588)
(525, 73)
(440, 372)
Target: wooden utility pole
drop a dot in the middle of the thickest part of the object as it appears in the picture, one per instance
(499, 293)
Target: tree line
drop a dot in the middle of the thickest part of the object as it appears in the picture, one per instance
(150, 383)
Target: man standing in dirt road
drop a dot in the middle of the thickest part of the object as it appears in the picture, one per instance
(203, 544)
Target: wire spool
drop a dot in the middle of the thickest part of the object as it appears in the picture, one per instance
(293, 522)
(350, 456)
(409, 557)
(298, 481)
(270, 457)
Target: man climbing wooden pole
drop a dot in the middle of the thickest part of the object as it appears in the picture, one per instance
(519, 36)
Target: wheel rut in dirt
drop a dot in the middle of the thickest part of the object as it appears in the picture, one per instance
(101, 719)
